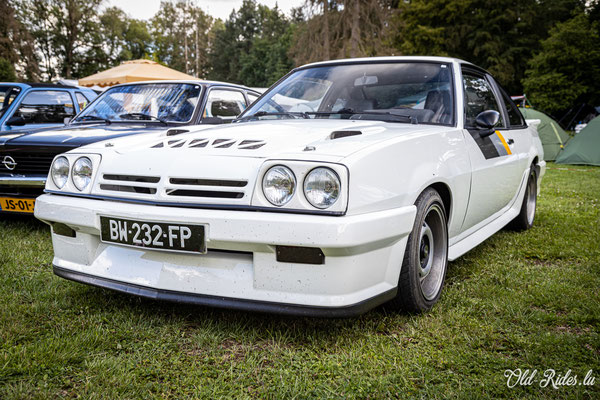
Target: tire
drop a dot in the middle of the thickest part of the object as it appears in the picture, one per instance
(423, 268)
(526, 216)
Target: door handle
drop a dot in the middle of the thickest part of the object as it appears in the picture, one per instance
(510, 141)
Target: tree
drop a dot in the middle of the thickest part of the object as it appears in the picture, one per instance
(7, 71)
(342, 28)
(251, 47)
(16, 47)
(567, 69)
(181, 34)
(65, 33)
(122, 38)
(499, 35)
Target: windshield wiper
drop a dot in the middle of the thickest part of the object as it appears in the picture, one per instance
(349, 111)
(93, 118)
(265, 114)
(143, 117)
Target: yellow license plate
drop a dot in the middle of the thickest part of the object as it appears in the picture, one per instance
(16, 205)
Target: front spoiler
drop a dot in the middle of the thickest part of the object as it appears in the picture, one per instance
(228, 302)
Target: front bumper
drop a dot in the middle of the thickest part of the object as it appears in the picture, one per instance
(363, 256)
(23, 181)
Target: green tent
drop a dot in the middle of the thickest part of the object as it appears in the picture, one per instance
(584, 148)
(553, 137)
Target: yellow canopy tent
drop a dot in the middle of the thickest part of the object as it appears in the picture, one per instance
(133, 71)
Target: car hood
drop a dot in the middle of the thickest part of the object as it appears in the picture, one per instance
(77, 135)
(183, 168)
(268, 139)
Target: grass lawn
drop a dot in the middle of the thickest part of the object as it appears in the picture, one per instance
(520, 300)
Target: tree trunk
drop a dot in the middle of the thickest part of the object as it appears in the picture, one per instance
(326, 36)
(197, 74)
(355, 33)
(185, 38)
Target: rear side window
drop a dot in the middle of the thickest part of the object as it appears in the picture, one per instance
(82, 100)
(251, 98)
(225, 104)
(515, 118)
(479, 97)
(46, 107)
(8, 94)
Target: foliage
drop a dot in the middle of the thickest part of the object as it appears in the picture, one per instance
(16, 46)
(566, 71)
(519, 300)
(123, 38)
(181, 37)
(256, 44)
(66, 32)
(342, 29)
(499, 35)
(7, 71)
(251, 46)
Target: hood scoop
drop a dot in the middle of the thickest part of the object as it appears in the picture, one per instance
(210, 143)
(174, 132)
(342, 134)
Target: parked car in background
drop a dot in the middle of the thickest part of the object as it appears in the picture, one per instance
(348, 184)
(123, 110)
(27, 107)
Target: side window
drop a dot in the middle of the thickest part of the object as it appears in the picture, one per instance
(251, 97)
(479, 97)
(81, 100)
(515, 118)
(225, 104)
(46, 107)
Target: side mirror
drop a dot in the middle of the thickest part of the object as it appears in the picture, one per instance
(15, 121)
(487, 119)
(67, 120)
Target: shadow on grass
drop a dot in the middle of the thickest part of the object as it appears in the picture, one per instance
(27, 221)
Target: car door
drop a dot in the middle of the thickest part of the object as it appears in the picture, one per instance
(495, 174)
(44, 108)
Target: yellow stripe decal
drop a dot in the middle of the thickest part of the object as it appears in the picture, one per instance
(508, 152)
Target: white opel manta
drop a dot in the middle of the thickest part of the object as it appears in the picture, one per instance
(346, 185)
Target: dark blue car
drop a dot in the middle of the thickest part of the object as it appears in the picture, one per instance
(28, 107)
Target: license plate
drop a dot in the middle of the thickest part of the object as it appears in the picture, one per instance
(16, 205)
(154, 235)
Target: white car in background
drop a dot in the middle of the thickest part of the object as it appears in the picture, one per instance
(358, 195)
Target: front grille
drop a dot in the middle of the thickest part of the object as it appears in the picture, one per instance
(132, 178)
(171, 188)
(207, 182)
(206, 193)
(128, 189)
(6, 190)
(28, 164)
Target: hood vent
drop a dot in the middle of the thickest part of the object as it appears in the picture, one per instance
(215, 144)
(173, 132)
(343, 134)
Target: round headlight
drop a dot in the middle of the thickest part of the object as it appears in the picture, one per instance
(60, 172)
(322, 187)
(82, 173)
(279, 184)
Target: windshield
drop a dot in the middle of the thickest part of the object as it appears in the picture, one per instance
(8, 94)
(417, 92)
(165, 102)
